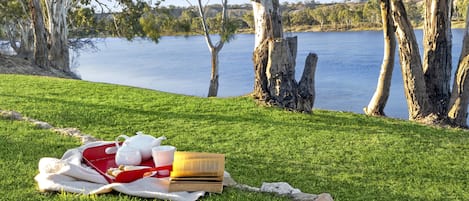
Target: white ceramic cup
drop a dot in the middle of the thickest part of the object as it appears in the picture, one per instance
(163, 156)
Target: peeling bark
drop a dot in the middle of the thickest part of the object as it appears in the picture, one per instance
(59, 56)
(274, 63)
(40, 35)
(280, 72)
(411, 65)
(306, 86)
(437, 54)
(213, 87)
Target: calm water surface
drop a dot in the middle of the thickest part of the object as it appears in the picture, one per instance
(346, 75)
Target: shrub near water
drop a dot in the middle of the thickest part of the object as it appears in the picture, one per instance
(350, 156)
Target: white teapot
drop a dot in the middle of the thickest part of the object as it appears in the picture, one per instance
(142, 142)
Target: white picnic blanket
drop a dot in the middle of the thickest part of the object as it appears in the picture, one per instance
(70, 174)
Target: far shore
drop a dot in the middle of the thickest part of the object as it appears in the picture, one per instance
(329, 28)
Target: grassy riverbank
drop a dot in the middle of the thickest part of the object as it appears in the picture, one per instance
(350, 156)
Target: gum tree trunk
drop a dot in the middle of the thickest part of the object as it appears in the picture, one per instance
(214, 49)
(213, 88)
(57, 25)
(437, 54)
(459, 101)
(40, 53)
(274, 62)
(26, 35)
(411, 65)
(381, 95)
(264, 25)
(21, 28)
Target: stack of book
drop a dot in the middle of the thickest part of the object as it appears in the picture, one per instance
(196, 171)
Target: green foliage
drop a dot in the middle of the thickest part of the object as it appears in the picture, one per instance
(371, 11)
(248, 18)
(415, 13)
(461, 9)
(9, 9)
(320, 14)
(151, 25)
(225, 31)
(140, 19)
(83, 23)
(185, 21)
(302, 17)
(12, 12)
(127, 22)
(351, 156)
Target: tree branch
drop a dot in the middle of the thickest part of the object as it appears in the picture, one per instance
(204, 24)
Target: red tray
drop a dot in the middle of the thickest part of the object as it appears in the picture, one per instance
(97, 158)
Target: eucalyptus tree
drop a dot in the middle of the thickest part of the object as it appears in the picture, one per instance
(41, 28)
(16, 26)
(426, 83)
(371, 11)
(127, 23)
(301, 17)
(320, 15)
(381, 94)
(50, 30)
(57, 27)
(248, 18)
(225, 31)
(41, 53)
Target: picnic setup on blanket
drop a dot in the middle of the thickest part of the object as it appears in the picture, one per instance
(138, 166)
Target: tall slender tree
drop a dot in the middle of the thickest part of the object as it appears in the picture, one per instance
(41, 50)
(59, 56)
(418, 103)
(426, 83)
(381, 95)
(16, 22)
(225, 35)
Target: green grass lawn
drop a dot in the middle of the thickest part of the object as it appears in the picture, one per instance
(350, 156)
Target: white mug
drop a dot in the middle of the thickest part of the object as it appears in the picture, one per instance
(163, 156)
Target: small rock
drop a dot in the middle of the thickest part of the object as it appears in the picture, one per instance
(228, 180)
(41, 124)
(11, 115)
(69, 131)
(282, 188)
(324, 197)
(303, 197)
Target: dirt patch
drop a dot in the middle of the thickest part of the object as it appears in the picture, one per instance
(17, 65)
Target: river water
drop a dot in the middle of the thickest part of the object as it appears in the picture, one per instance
(346, 75)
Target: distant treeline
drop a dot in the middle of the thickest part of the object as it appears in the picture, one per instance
(302, 16)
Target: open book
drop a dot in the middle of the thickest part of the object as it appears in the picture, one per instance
(197, 171)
